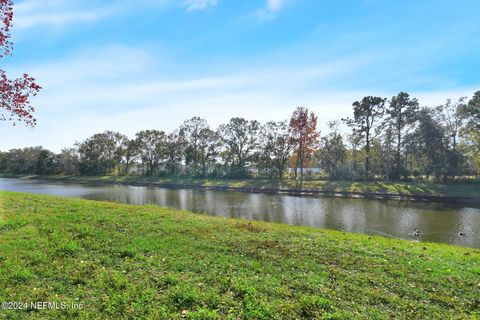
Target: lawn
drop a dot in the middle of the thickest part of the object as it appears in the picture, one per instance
(144, 262)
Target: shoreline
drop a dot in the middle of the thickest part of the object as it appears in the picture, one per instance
(229, 185)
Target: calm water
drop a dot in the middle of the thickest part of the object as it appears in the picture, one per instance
(438, 222)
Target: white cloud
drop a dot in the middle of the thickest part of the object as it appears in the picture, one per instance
(270, 9)
(60, 13)
(110, 63)
(34, 13)
(275, 5)
(194, 5)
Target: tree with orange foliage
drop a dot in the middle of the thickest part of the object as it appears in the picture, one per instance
(14, 94)
(304, 137)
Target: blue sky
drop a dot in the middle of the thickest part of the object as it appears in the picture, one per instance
(130, 65)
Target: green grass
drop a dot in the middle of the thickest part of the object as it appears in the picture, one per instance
(453, 190)
(133, 262)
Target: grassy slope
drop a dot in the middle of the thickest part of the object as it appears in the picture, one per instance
(405, 188)
(134, 262)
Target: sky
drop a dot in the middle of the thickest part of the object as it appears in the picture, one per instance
(128, 65)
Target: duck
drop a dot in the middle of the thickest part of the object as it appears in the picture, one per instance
(416, 232)
(461, 234)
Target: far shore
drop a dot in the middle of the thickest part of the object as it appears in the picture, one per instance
(382, 190)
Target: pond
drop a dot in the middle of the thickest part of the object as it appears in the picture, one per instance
(438, 222)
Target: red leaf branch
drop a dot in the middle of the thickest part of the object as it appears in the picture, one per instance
(14, 94)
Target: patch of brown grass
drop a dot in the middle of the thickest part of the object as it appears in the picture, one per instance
(250, 227)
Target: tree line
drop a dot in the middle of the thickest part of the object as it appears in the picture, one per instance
(384, 139)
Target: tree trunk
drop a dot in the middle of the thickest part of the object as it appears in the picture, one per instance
(302, 162)
(455, 159)
(399, 146)
(367, 156)
(296, 168)
(300, 159)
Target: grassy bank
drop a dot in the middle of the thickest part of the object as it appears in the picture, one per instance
(447, 190)
(133, 262)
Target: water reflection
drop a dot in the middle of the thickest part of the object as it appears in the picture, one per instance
(438, 222)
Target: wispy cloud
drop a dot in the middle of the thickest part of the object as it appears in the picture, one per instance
(60, 13)
(57, 13)
(275, 5)
(195, 5)
(270, 9)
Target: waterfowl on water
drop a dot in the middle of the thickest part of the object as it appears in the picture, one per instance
(461, 234)
(416, 232)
